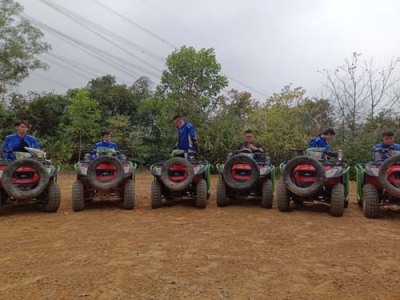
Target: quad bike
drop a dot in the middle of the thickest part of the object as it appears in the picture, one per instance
(180, 177)
(246, 174)
(109, 176)
(31, 178)
(378, 182)
(314, 176)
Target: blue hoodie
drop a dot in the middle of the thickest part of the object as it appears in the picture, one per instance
(12, 143)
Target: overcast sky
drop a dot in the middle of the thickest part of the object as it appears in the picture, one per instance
(262, 45)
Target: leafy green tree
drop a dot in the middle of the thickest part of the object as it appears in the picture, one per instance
(142, 88)
(82, 124)
(45, 113)
(121, 131)
(192, 78)
(21, 43)
(154, 135)
(225, 129)
(114, 99)
(289, 119)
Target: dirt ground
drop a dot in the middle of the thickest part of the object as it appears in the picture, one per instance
(180, 252)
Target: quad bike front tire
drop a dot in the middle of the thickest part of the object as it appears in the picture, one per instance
(91, 172)
(129, 195)
(222, 199)
(267, 194)
(177, 186)
(13, 190)
(155, 194)
(337, 200)
(78, 196)
(304, 160)
(370, 201)
(53, 197)
(201, 194)
(241, 185)
(384, 180)
(283, 196)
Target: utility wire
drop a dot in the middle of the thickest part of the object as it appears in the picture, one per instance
(50, 80)
(77, 19)
(193, 33)
(134, 23)
(83, 67)
(114, 61)
(66, 67)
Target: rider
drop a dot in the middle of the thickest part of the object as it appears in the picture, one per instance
(387, 144)
(18, 141)
(322, 141)
(104, 143)
(187, 137)
(249, 142)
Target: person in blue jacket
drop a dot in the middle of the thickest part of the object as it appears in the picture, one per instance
(187, 136)
(104, 143)
(322, 141)
(18, 141)
(387, 144)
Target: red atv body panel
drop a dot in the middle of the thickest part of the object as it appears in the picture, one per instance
(23, 175)
(306, 174)
(241, 172)
(106, 172)
(393, 174)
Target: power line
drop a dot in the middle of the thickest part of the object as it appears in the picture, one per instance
(50, 80)
(180, 25)
(101, 55)
(81, 21)
(66, 67)
(134, 23)
(83, 67)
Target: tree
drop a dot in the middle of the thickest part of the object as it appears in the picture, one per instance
(46, 112)
(286, 121)
(193, 79)
(360, 90)
(82, 124)
(225, 129)
(19, 47)
(142, 88)
(114, 99)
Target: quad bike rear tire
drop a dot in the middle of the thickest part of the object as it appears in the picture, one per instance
(283, 196)
(91, 173)
(201, 194)
(304, 160)
(370, 201)
(78, 196)
(53, 197)
(337, 200)
(222, 199)
(267, 194)
(13, 190)
(129, 194)
(177, 186)
(155, 194)
(384, 180)
(241, 185)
